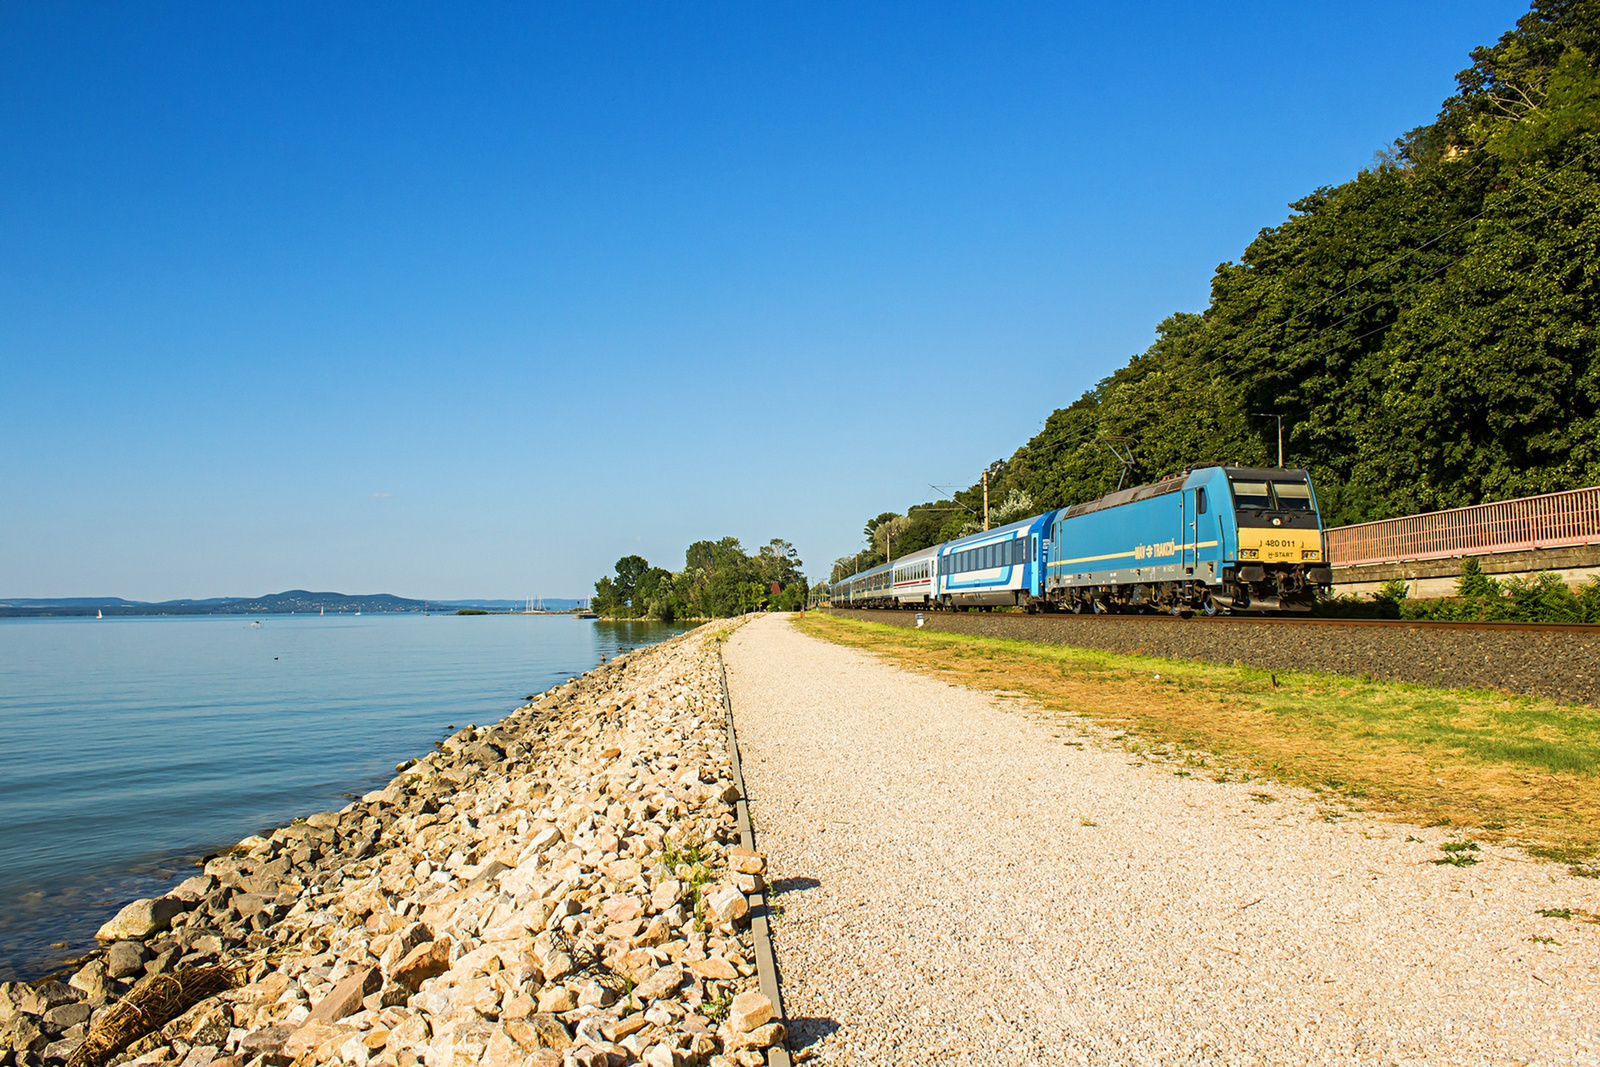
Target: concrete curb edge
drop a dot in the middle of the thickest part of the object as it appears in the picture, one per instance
(760, 930)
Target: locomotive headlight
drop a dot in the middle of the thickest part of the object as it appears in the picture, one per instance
(1249, 553)
(1310, 553)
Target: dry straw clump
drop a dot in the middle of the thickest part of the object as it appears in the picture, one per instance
(154, 1001)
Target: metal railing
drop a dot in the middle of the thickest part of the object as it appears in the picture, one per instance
(1549, 521)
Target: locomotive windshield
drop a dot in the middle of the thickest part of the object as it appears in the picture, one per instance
(1272, 496)
(1292, 496)
(1251, 495)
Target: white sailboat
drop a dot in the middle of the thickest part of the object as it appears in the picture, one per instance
(97, 614)
(320, 612)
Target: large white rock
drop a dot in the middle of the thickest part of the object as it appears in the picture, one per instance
(749, 1011)
(729, 904)
(141, 919)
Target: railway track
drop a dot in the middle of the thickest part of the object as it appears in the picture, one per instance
(1559, 661)
(1293, 620)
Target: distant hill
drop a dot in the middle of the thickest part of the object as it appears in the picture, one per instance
(294, 600)
(299, 601)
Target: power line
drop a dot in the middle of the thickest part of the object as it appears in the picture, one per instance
(1030, 452)
(1424, 246)
(1259, 332)
(1389, 296)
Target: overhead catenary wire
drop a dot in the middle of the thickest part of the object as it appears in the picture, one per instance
(1430, 242)
(1389, 296)
(1035, 453)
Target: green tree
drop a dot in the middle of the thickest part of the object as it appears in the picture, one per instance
(616, 597)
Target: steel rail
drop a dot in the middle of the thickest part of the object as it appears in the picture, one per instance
(1272, 620)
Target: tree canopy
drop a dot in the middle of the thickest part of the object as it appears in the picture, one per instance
(718, 579)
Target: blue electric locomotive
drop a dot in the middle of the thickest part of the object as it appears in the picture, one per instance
(1211, 538)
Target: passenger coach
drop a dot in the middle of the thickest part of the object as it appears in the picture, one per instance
(1000, 567)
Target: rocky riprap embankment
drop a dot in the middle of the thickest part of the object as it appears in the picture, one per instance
(564, 887)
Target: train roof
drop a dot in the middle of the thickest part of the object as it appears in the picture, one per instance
(1172, 485)
(1265, 473)
(1010, 527)
(880, 568)
(1128, 496)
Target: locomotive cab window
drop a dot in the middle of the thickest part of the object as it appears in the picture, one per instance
(1200, 501)
(1292, 496)
(1251, 495)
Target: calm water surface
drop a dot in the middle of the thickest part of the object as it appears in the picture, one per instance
(131, 747)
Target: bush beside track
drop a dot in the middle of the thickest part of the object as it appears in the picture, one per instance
(1558, 665)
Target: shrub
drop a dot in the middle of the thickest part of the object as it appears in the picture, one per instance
(1589, 600)
(1344, 606)
(1473, 582)
(1389, 597)
(1542, 598)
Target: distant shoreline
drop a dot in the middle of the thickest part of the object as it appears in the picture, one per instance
(291, 602)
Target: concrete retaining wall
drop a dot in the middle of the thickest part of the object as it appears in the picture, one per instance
(1437, 577)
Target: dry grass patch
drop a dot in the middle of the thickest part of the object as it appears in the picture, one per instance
(1522, 770)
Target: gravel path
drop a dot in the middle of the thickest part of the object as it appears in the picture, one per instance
(959, 883)
(1564, 666)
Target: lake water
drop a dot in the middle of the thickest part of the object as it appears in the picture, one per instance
(131, 747)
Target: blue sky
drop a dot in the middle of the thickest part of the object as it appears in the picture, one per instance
(470, 300)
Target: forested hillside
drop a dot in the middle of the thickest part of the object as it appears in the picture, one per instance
(1427, 330)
